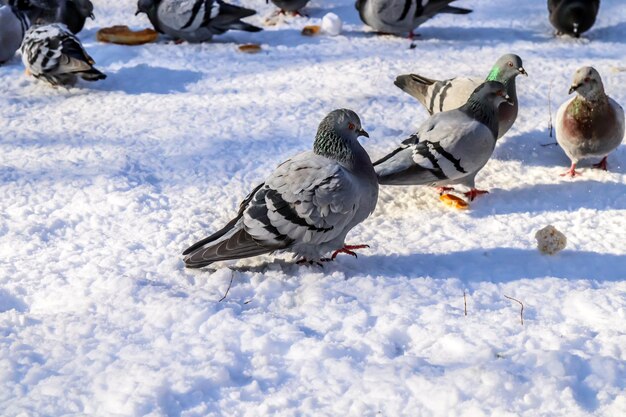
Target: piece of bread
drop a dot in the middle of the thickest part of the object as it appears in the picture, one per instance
(124, 36)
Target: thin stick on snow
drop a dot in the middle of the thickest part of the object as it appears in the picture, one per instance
(232, 276)
(521, 313)
(550, 106)
(465, 302)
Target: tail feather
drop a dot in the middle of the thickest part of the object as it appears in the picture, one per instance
(247, 27)
(416, 86)
(239, 245)
(92, 75)
(234, 12)
(455, 10)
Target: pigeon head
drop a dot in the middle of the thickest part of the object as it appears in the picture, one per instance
(576, 17)
(507, 68)
(84, 8)
(587, 83)
(337, 135)
(145, 6)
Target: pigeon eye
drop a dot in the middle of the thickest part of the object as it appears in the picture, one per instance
(510, 64)
(350, 126)
(587, 79)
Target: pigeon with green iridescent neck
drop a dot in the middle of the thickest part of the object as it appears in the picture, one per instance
(591, 124)
(438, 96)
(450, 147)
(306, 206)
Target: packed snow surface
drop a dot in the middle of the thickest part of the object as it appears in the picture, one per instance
(103, 185)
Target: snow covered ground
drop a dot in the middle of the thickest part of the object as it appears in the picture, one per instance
(102, 186)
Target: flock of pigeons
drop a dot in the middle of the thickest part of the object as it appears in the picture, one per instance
(310, 202)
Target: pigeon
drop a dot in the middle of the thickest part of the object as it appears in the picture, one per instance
(449, 147)
(400, 17)
(53, 54)
(13, 26)
(72, 13)
(292, 6)
(591, 124)
(573, 17)
(438, 96)
(306, 206)
(195, 20)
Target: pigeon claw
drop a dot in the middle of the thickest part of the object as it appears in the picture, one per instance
(601, 164)
(305, 261)
(348, 249)
(474, 192)
(571, 172)
(442, 190)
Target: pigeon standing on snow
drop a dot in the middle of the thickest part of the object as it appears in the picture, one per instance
(449, 147)
(292, 6)
(72, 13)
(591, 124)
(306, 206)
(13, 27)
(401, 17)
(573, 17)
(54, 54)
(438, 96)
(197, 20)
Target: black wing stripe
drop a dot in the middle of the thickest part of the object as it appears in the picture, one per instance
(284, 209)
(456, 162)
(194, 13)
(436, 170)
(405, 10)
(443, 94)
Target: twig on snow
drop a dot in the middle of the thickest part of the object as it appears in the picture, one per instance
(549, 144)
(550, 106)
(232, 276)
(465, 302)
(521, 313)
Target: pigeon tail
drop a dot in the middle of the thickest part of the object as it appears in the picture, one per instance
(238, 245)
(414, 85)
(455, 10)
(93, 75)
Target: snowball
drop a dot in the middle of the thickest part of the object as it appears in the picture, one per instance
(550, 240)
(331, 24)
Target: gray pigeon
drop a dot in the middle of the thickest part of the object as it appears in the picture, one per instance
(13, 27)
(53, 54)
(195, 20)
(71, 13)
(573, 17)
(591, 124)
(449, 147)
(306, 206)
(438, 96)
(292, 6)
(401, 17)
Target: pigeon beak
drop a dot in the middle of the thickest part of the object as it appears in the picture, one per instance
(573, 88)
(91, 16)
(362, 132)
(137, 12)
(522, 71)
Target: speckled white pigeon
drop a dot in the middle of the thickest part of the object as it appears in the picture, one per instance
(195, 20)
(13, 27)
(449, 147)
(591, 124)
(306, 206)
(438, 96)
(401, 17)
(53, 54)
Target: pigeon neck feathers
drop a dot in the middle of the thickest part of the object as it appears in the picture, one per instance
(483, 112)
(330, 144)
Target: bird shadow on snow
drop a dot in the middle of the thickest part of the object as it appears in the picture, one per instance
(496, 265)
(144, 78)
(568, 195)
(614, 33)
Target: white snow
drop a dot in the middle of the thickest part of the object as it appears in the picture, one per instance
(103, 185)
